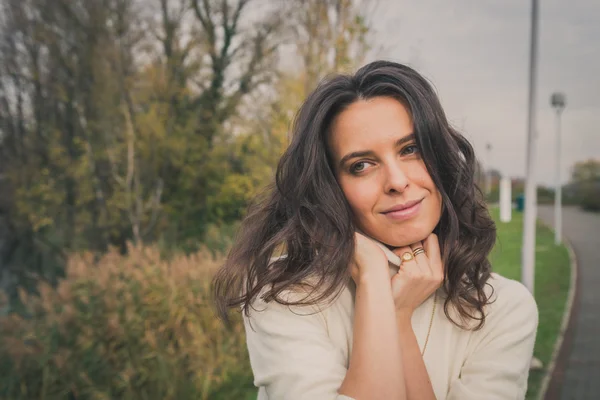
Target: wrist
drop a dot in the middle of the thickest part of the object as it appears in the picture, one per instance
(404, 318)
(374, 277)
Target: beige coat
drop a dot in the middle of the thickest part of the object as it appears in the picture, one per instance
(303, 352)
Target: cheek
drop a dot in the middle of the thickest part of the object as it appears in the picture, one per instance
(437, 204)
(437, 199)
(421, 178)
(361, 195)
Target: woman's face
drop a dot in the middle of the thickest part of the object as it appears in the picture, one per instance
(379, 167)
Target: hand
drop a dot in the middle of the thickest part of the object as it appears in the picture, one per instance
(418, 278)
(368, 258)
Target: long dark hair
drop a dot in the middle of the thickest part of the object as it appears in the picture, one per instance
(305, 215)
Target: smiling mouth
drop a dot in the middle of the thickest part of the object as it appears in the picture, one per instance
(405, 206)
(405, 211)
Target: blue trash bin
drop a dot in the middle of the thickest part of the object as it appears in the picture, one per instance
(520, 202)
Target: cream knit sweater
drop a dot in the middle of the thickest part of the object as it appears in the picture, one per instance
(303, 352)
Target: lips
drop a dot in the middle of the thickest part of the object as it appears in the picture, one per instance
(403, 212)
(404, 206)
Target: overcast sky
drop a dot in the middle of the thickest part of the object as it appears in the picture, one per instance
(476, 54)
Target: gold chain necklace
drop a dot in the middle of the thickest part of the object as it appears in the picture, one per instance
(430, 323)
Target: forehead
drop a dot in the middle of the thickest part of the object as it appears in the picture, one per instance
(367, 124)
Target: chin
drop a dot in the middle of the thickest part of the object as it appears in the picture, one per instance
(400, 235)
(400, 240)
(406, 242)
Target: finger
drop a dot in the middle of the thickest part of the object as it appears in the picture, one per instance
(421, 257)
(432, 248)
(408, 260)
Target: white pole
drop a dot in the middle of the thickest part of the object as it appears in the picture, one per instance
(488, 175)
(558, 190)
(505, 200)
(528, 249)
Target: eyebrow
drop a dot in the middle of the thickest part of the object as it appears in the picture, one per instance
(356, 154)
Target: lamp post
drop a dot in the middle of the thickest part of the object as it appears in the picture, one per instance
(558, 102)
(528, 249)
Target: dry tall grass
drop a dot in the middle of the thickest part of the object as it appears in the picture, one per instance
(124, 327)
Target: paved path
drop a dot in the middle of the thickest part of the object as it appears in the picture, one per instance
(578, 373)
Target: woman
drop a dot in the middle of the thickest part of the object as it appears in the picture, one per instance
(382, 288)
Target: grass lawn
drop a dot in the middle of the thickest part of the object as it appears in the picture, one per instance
(552, 278)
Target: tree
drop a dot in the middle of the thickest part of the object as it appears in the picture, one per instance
(329, 36)
(112, 114)
(134, 120)
(585, 179)
(226, 57)
(324, 37)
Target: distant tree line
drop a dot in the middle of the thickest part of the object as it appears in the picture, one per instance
(583, 188)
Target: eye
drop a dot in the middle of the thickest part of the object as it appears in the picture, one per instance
(359, 167)
(410, 149)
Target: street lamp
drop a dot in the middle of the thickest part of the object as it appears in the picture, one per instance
(528, 250)
(558, 102)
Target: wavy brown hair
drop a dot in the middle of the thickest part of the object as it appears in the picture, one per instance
(304, 212)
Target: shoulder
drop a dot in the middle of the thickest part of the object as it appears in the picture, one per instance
(293, 353)
(497, 356)
(286, 314)
(509, 300)
(507, 292)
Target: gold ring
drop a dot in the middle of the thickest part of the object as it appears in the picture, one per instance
(418, 250)
(407, 256)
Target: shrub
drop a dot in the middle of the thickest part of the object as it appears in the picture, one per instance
(126, 327)
(589, 195)
(585, 182)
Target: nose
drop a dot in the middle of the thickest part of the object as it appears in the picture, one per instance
(396, 179)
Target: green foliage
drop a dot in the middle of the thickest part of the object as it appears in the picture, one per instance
(127, 327)
(585, 183)
(545, 195)
(150, 127)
